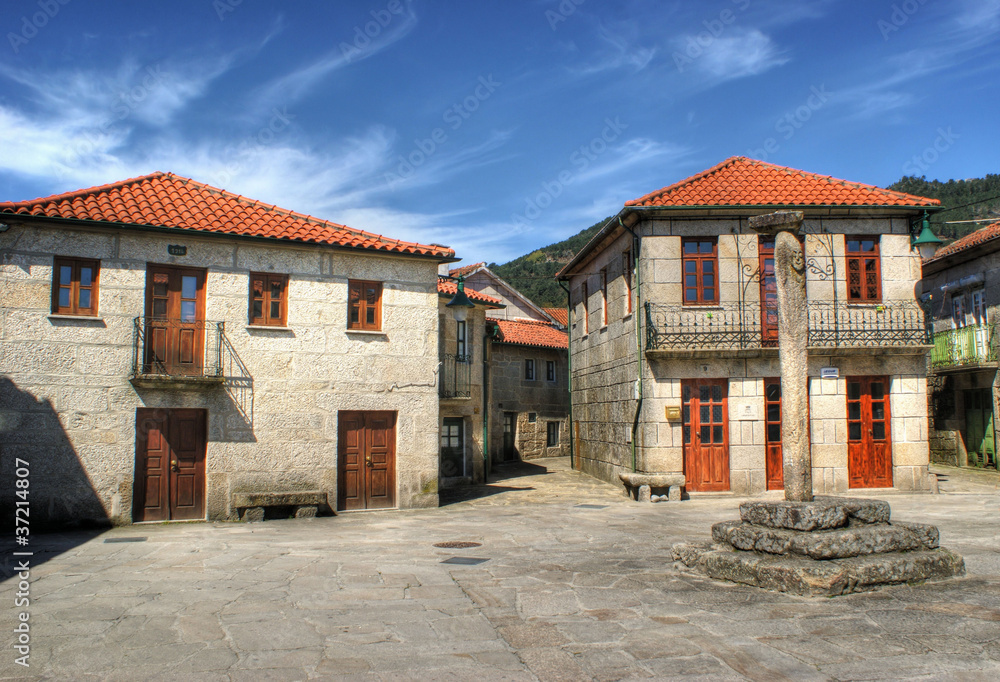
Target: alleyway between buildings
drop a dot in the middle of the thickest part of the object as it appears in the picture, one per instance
(576, 583)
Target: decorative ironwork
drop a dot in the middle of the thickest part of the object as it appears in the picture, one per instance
(173, 348)
(968, 346)
(456, 376)
(735, 327)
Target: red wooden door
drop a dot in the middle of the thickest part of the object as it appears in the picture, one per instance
(366, 460)
(869, 442)
(768, 294)
(169, 465)
(175, 312)
(772, 435)
(706, 435)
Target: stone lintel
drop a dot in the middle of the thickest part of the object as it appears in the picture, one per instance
(779, 221)
(823, 513)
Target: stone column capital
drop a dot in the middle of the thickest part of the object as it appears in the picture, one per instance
(779, 221)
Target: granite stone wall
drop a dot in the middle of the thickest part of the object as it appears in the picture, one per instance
(468, 409)
(67, 404)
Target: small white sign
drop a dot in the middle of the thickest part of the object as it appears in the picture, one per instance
(829, 373)
(745, 411)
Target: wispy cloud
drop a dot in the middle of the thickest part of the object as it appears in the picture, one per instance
(619, 49)
(744, 52)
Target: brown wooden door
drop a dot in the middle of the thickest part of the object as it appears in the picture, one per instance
(175, 312)
(367, 460)
(169, 465)
(774, 468)
(768, 294)
(509, 431)
(706, 435)
(869, 442)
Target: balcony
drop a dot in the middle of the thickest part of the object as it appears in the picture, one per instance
(965, 348)
(732, 330)
(177, 354)
(456, 377)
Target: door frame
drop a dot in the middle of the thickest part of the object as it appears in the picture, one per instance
(692, 451)
(170, 436)
(171, 322)
(774, 469)
(508, 450)
(366, 467)
(881, 475)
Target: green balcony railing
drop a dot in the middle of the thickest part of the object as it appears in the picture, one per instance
(973, 345)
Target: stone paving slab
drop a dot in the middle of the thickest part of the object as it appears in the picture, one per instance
(566, 594)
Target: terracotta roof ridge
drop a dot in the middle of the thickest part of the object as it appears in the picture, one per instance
(87, 190)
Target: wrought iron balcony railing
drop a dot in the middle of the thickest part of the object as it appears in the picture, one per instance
(456, 376)
(968, 346)
(176, 349)
(731, 327)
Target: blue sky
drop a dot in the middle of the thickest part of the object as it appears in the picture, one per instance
(494, 126)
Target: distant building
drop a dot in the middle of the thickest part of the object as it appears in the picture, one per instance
(961, 288)
(674, 335)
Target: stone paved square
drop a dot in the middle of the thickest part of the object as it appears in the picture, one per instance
(567, 593)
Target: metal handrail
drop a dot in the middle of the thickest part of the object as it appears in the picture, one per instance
(972, 345)
(157, 344)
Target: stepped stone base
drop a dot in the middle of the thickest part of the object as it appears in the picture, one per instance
(823, 548)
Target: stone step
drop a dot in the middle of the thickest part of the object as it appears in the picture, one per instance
(823, 513)
(840, 543)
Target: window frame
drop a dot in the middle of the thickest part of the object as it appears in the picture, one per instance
(550, 441)
(959, 311)
(362, 305)
(529, 369)
(447, 423)
(585, 293)
(550, 370)
(860, 257)
(461, 341)
(627, 277)
(75, 265)
(977, 305)
(265, 320)
(700, 259)
(604, 297)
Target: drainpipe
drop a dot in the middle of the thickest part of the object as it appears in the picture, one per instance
(487, 353)
(637, 314)
(569, 370)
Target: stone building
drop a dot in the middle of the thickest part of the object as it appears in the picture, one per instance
(173, 351)
(674, 335)
(961, 288)
(528, 372)
(464, 353)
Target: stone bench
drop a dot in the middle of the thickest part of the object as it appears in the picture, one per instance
(641, 486)
(251, 505)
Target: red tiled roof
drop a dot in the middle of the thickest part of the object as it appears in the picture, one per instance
(560, 315)
(980, 236)
(168, 200)
(466, 270)
(739, 181)
(531, 333)
(447, 288)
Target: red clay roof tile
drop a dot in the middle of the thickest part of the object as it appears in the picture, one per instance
(739, 181)
(980, 236)
(531, 333)
(560, 315)
(448, 288)
(168, 200)
(466, 270)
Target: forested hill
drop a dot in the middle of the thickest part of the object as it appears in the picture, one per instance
(534, 274)
(957, 193)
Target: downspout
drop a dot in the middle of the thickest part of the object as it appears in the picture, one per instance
(636, 313)
(487, 353)
(569, 370)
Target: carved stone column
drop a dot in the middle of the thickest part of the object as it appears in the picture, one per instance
(793, 337)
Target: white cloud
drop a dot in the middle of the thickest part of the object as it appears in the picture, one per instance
(741, 54)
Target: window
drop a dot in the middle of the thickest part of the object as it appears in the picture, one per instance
(532, 417)
(552, 434)
(958, 310)
(864, 277)
(268, 304)
(979, 307)
(604, 297)
(452, 447)
(74, 286)
(460, 344)
(701, 266)
(550, 370)
(627, 275)
(529, 370)
(586, 314)
(364, 308)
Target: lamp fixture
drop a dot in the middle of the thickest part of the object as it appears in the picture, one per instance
(460, 303)
(927, 243)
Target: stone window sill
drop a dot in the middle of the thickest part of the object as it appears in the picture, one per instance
(81, 318)
(268, 327)
(367, 332)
